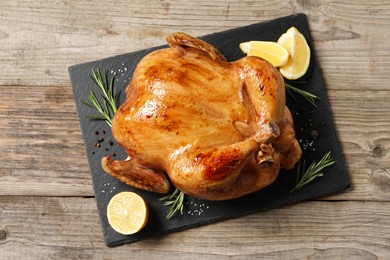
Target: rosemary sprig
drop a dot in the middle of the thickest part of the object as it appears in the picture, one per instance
(304, 177)
(307, 95)
(175, 201)
(108, 95)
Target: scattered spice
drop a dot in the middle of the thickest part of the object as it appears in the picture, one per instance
(314, 134)
(307, 144)
(93, 152)
(107, 149)
(108, 188)
(113, 154)
(97, 145)
(111, 143)
(196, 209)
(100, 140)
(96, 133)
(104, 132)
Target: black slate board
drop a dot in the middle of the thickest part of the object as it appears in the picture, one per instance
(197, 212)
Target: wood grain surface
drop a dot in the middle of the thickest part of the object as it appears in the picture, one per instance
(40, 227)
(44, 175)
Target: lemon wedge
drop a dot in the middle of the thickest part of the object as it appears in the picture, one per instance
(298, 63)
(127, 213)
(276, 54)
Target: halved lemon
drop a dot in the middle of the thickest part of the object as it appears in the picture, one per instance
(298, 63)
(276, 54)
(127, 213)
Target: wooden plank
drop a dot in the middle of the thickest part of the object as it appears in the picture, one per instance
(41, 147)
(40, 39)
(363, 121)
(42, 151)
(68, 228)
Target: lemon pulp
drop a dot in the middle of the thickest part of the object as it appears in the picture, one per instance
(299, 59)
(127, 213)
(276, 54)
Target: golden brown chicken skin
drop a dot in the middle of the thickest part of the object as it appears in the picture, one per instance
(218, 130)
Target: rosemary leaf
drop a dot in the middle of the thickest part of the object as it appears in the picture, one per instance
(96, 117)
(176, 202)
(109, 97)
(304, 177)
(305, 94)
(170, 202)
(291, 94)
(87, 103)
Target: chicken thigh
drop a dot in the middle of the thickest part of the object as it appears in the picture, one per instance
(217, 130)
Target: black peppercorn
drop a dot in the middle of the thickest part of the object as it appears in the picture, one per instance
(314, 134)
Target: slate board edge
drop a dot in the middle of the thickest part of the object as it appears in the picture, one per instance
(327, 104)
(227, 217)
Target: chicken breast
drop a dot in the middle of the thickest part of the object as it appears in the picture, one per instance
(216, 129)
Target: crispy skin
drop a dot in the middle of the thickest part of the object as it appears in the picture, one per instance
(218, 129)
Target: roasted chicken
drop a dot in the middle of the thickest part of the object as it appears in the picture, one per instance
(218, 130)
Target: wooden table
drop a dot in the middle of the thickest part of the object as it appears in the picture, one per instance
(47, 203)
